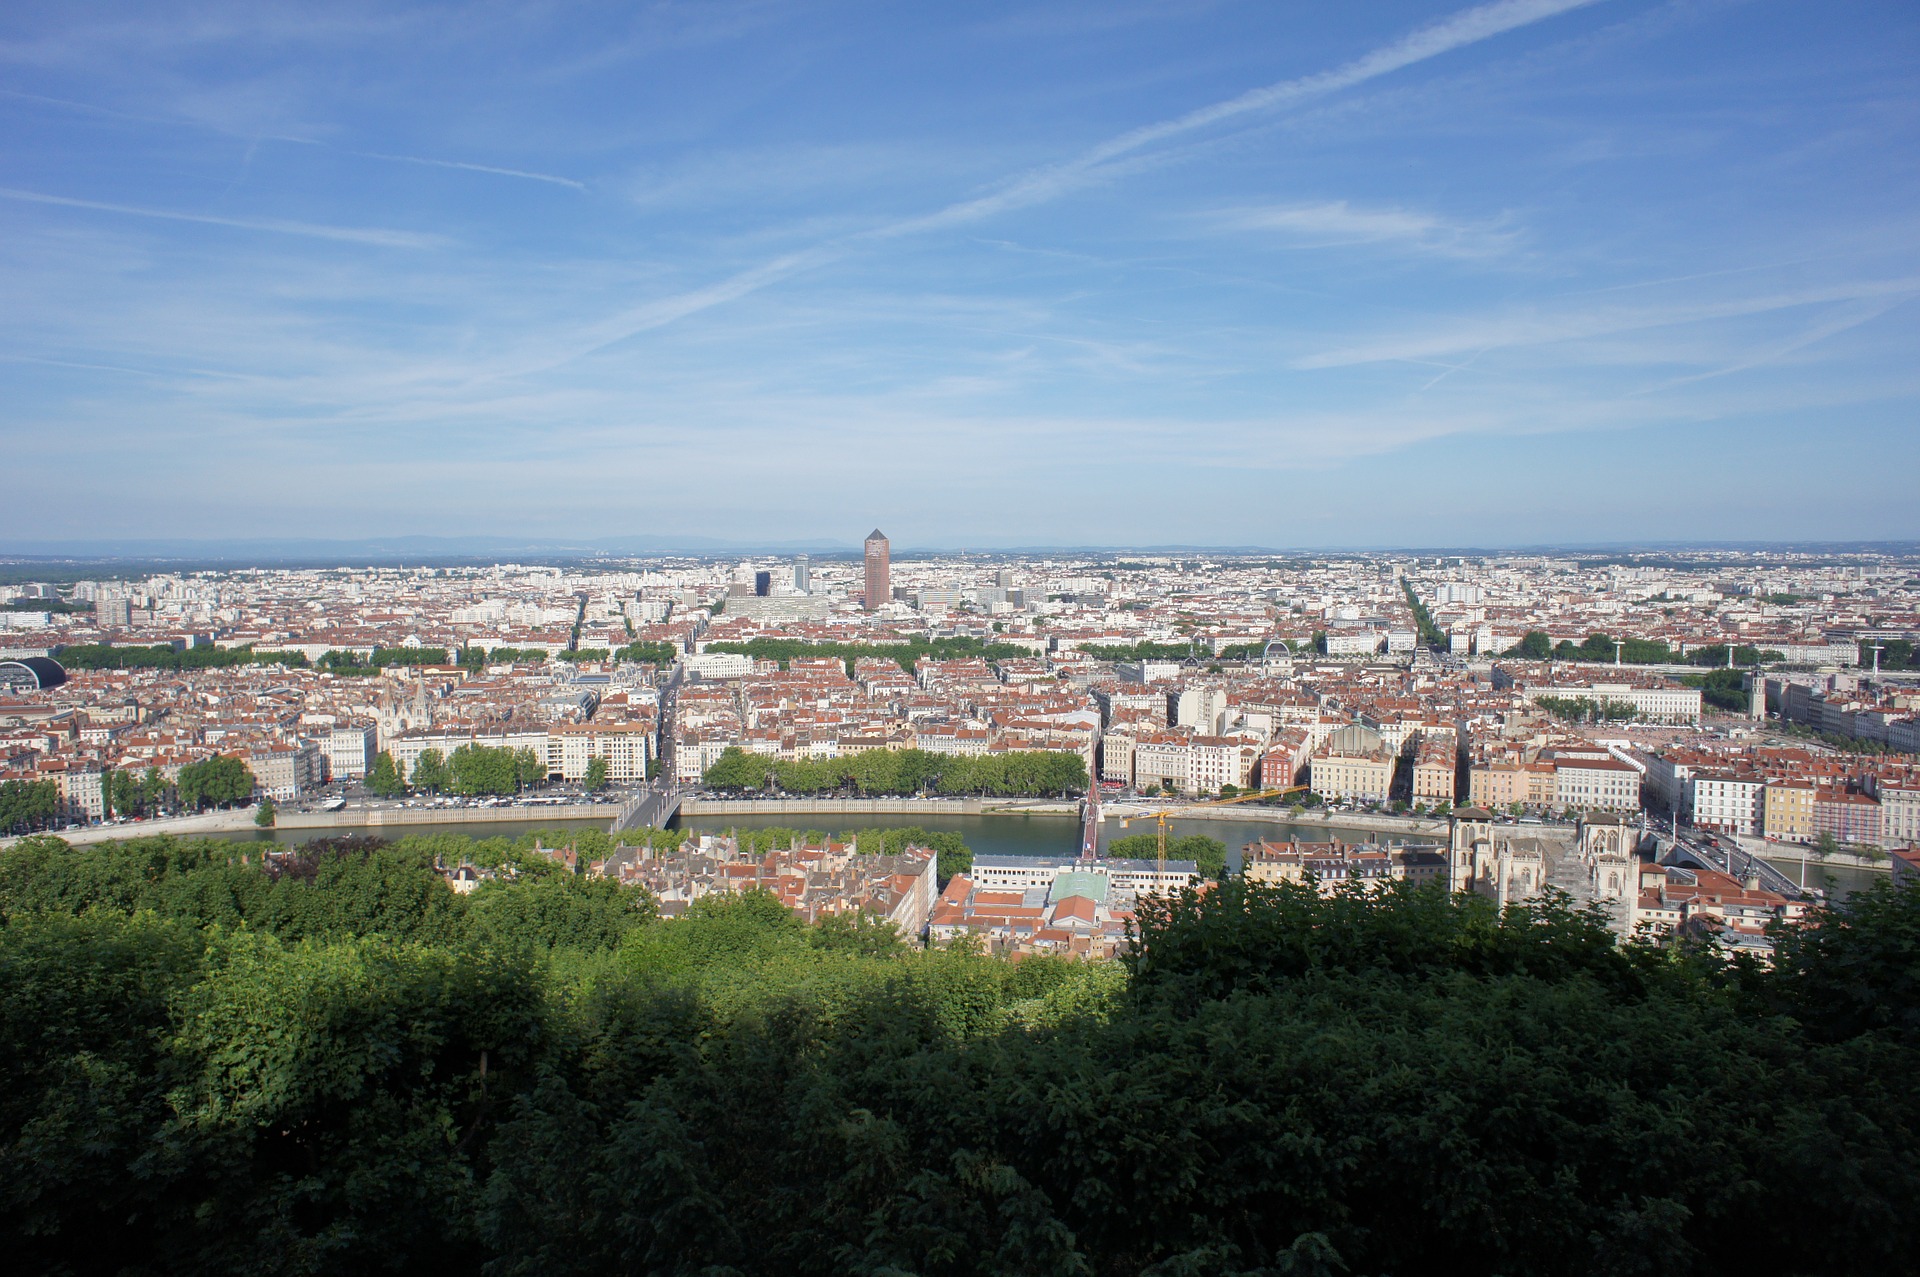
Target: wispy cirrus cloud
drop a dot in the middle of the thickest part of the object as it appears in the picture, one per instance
(1538, 326)
(258, 137)
(378, 236)
(1337, 223)
(1467, 27)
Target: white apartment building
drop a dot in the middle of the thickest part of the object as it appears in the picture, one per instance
(350, 750)
(1727, 803)
(1214, 761)
(1353, 642)
(1899, 816)
(1596, 785)
(718, 665)
(627, 747)
(286, 771)
(1165, 758)
(693, 755)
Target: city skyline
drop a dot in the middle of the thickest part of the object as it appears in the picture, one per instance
(1532, 272)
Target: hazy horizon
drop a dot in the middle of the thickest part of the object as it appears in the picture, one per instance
(1531, 272)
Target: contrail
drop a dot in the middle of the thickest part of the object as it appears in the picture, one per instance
(346, 234)
(292, 139)
(473, 168)
(1469, 26)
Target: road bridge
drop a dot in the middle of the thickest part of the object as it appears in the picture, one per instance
(1735, 862)
(649, 807)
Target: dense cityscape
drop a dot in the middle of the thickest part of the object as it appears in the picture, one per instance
(1757, 706)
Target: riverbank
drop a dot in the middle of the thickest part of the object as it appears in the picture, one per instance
(1408, 826)
(351, 819)
(1405, 826)
(209, 822)
(843, 807)
(388, 817)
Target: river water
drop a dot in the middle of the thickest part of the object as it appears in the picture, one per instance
(1036, 835)
(998, 835)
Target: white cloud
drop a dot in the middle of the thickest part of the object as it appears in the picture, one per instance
(1337, 223)
(1542, 327)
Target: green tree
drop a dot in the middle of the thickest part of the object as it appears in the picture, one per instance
(430, 772)
(383, 778)
(265, 816)
(475, 770)
(155, 790)
(28, 804)
(596, 777)
(219, 781)
(1535, 645)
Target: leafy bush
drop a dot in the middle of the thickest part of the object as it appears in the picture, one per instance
(333, 1064)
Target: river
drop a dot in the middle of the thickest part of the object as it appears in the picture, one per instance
(999, 834)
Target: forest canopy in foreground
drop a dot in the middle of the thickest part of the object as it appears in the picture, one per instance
(339, 1066)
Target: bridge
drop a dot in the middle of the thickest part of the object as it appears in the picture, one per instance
(1735, 862)
(648, 807)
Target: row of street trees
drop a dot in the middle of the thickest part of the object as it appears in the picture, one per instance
(220, 781)
(904, 773)
(26, 805)
(471, 771)
(1584, 709)
(940, 649)
(1538, 645)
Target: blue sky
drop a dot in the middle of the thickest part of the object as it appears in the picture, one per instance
(1063, 273)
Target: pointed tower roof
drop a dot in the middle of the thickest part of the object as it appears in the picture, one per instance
(876, 535)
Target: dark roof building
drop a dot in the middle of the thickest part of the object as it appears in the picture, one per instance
(31, 674)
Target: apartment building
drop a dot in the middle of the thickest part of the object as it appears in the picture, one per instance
(1729, 802)
(1595, 784)
(1849, 817)
(1435, 770)
(350, 750)
(1787, 811)
(1364, 777)
(627, 747)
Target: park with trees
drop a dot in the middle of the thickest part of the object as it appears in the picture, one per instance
(1602, 648)
(327, 1062)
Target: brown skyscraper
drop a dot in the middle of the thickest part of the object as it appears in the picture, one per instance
(879, 570)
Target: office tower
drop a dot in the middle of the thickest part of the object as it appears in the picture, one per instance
(762, 584)
(803, 574)
(879, 570)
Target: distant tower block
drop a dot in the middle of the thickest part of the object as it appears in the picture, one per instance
(803, 574)
(879, 570)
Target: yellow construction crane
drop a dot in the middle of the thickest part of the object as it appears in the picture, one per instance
(1160, 817)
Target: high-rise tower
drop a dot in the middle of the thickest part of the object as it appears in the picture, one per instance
(879, 570)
